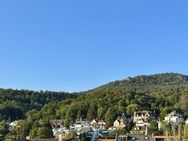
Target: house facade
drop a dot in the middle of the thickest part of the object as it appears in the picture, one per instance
(101, 124)
(94, 123)
(120, 122)
(98, 123)
(174, 117)
(143, 118)
(56, 123)
(82, 126)
(57, 128)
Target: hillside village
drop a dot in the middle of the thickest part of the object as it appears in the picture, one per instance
(141, 124)
(139, 108)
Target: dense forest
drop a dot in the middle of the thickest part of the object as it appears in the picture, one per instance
(161, 93)
(15, 103)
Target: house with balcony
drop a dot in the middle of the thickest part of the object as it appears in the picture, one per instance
(143, 118)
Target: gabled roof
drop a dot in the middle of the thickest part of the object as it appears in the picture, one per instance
(123, 117)
(55, 123)
(102, 122)
(174, 113)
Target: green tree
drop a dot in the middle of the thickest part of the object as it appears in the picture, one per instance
(71, 115)
(33, 115)
(166, 128)
(20, 130)
(70, 135)
(8, 137)
(41, 133)
(132, 108)
(164, 112)
(184, 103)
(92, 112)
(185, 133)
(101, 112)
(110, 116)
(3, 129)
(153, 127)
(34, 133)
(62, 111)
(44, 133)
(122, 131)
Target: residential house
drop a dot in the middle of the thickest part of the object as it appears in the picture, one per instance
(143, 118)
(82, 126)
(57, 127)
(174, 117)
(120, 122)
(94, 123)
(101, 124)
(56, 123)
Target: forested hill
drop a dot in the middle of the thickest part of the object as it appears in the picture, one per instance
(15, 103)
(161, 93)
(152, 92)
(145, 83)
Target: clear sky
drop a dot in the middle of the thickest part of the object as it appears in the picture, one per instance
(75, 45)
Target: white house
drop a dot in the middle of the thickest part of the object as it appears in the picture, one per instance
(116, 123)
(143, 118)
(174, 117)
(120, 122)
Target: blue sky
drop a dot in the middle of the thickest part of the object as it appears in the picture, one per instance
(76, 45)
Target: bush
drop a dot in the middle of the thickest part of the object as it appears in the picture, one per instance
(70, 135)
(41, 133)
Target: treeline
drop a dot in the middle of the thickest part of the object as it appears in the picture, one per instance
(15, 103)
(160, 93)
